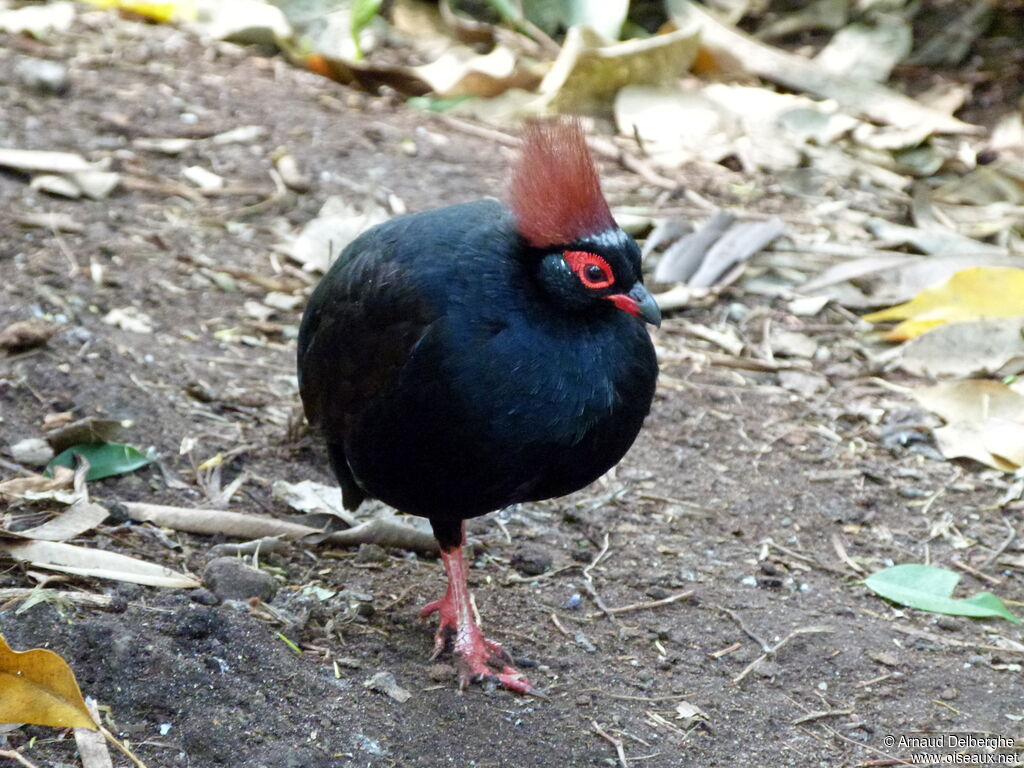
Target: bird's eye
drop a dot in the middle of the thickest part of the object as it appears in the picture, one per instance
(591, 269)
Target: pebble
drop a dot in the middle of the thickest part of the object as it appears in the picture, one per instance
(203, 597)
(42, 75)
(33, 451)
(531, 561)
(371, 553)
(231, 579)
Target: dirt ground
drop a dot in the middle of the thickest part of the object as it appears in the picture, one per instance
(737, 489)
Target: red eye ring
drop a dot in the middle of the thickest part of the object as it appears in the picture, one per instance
(581, 261)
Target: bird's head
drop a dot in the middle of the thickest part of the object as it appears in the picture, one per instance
(583, 260)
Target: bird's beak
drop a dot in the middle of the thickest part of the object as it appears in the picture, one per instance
(638, 302)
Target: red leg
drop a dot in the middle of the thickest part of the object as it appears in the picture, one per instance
(479, 657)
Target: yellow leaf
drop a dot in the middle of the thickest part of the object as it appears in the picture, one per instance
(162, 12)
(971, 294)
(39, 687)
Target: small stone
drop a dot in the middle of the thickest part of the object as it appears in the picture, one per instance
(203, 597)
(231, 579)
(33, 451)
(441, 673)
(42, 75)
(948, 694)
(531, 561)
(26, 334)
(371, 553)
(384, 682)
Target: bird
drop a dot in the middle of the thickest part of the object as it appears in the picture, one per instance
(467, 358)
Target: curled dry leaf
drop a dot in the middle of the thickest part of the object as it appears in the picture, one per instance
(23, 487)
(588, 73)
(39, 687)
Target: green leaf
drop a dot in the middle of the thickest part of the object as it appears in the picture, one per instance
(930, 589)
(363, 12)
(105, 459)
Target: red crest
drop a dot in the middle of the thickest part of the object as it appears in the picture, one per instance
(555, 194)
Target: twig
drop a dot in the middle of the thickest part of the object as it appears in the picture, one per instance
(975, 572)
(824, 713)
(589, 580)
(17, 757)
(775, 649)
(872, 681)
(725, 651)
(643, 606)
(124, 750)
(559, 626)
(617, 743)
(840, 548)
(515, 578)
(1002, 547)
(746, 630)
(624, 697)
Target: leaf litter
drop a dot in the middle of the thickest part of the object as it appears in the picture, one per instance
(734, 347)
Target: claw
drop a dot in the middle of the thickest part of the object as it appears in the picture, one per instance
(478, 658)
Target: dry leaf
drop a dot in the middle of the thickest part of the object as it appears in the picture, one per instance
(982, 347)
(21, 487)
(588, 73)
(972, 294)
(80, 517)
(984, 421)
(322, 239)
(97, 563)
(39, 687)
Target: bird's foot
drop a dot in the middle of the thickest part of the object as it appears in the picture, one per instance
(478, 658)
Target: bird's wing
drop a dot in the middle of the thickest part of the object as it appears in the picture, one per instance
(358, 330)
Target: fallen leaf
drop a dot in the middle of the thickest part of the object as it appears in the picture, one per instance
(322, 239)
(39, 687)
(984, 421)
(978, 348)
(23, 487)
(96, 563)
(972, 294)
(105, 459)
(930, 589)
(588, 72)
(80, 517)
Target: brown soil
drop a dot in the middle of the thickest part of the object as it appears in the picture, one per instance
(728, 461)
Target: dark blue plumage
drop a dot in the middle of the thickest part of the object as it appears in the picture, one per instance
(456, 367)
